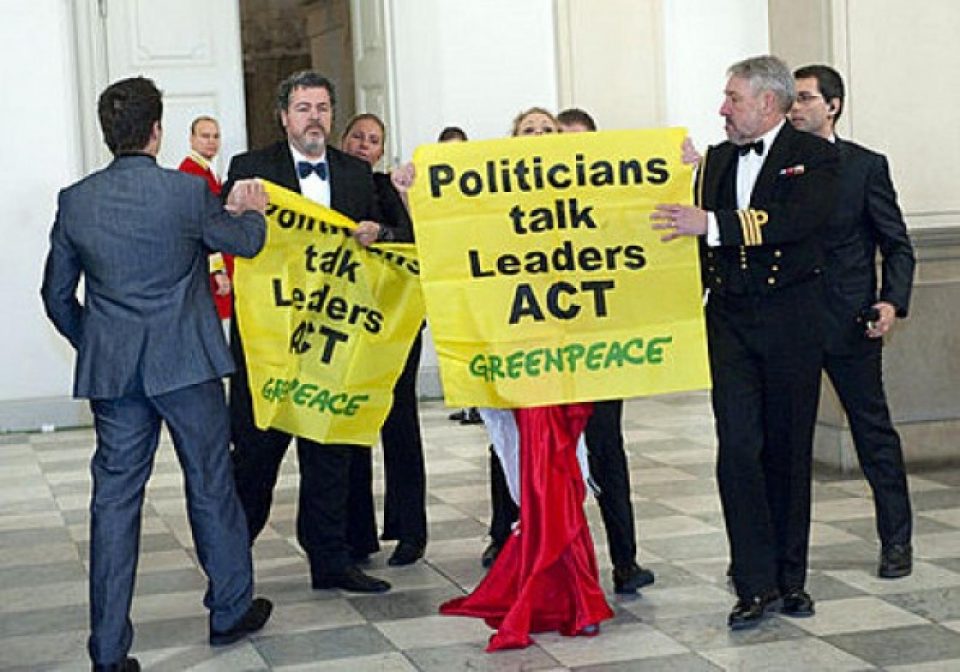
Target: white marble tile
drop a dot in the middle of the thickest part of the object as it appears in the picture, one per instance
(822, 534)
(463, 493)
(449, 466)
(33, 651)
(381, 662)
(30, 521)
(442, 513)
(694, 504)
(312, 615)
(945, 516)
(430, 631)
(240, 657)
(856, 614)
(682, 457)
(42, 596)
(673, 526)
(951, 665)
(660, 602)
(795, 655)
(162, 561)
(163, 606)
(640, 477)
(615, 643)
(842, 509)
(938, 545)
(41, 554)
(925, 576)
(640, 436)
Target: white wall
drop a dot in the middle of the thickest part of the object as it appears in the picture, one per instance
(702, 38)
(470, 64)
(38, 118)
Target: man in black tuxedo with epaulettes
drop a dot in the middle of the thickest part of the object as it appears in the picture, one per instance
(764, 199)
(867, 218)
(304, 163)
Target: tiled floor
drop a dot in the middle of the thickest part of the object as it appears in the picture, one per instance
(677, 624)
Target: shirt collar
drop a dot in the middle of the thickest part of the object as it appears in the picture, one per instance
(202, 162)
(298, 156)
(770, 136)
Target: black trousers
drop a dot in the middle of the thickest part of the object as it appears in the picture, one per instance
(324, 485)
(857, 376)
(765, 358)
(404, 508)
(608, 467)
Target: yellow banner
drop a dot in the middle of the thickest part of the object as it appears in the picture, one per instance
(326, 323)
(543, 280)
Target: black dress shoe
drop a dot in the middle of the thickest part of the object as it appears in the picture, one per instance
(797, 603)
(406, 553)
(353, 580)
(471, 416)
(490, 553)
(627, 580)
(457, 416)
(896, 561)
(129, 664)
(256, 617)
(749, 611)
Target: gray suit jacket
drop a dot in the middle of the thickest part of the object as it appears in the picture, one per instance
(140, 235)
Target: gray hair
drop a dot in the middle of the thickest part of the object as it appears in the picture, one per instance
(767, 73)
(305, 79)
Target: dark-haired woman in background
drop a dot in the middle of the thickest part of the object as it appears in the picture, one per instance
(404, 508)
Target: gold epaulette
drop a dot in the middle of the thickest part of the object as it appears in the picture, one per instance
(751, 225)
(701, 172)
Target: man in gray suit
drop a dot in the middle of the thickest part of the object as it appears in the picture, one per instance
(150, 349)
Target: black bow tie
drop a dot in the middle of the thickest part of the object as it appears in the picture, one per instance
(755, 146)
(304, 168)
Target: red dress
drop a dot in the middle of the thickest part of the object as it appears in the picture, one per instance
(546, 576)
(194, 167)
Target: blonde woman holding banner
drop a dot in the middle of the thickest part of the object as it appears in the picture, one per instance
(546, 575)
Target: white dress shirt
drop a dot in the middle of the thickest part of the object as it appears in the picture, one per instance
(312, 186)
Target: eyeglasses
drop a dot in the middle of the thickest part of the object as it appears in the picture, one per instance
(805, 98)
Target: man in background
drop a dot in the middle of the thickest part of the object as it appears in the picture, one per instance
(204, 147)
(867, 218)
(606, 455)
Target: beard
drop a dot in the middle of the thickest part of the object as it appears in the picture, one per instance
(312, 144)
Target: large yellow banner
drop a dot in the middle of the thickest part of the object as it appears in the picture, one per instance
(326, 323)
(543, 280)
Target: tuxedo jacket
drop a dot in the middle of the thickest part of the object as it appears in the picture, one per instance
(866, 219)
(352, 192)
(139, 234)
(776, 241)
(395, 215)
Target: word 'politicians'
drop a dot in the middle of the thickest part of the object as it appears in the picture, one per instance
(508, 175)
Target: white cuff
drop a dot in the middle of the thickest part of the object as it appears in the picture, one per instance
(713, 230)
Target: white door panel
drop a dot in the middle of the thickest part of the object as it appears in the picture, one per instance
(192, 51)
(370, 21)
